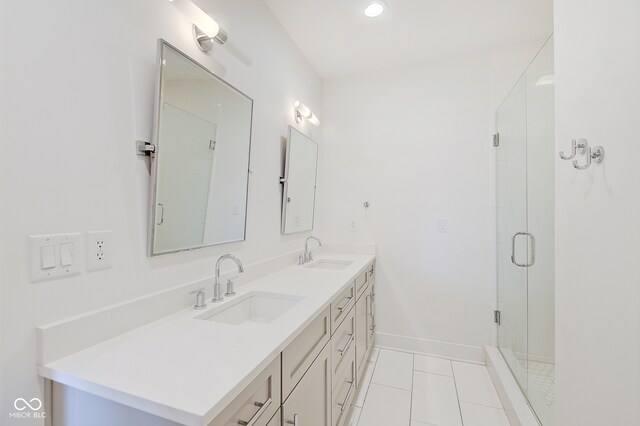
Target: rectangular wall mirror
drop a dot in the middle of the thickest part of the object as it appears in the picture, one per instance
(299, 194)
(200, 168)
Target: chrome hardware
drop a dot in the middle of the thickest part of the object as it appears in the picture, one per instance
(344, 307)
(346, 347)
(205, 43)
(263, 407)
(366, 204)
(581, 146)
(293, 422)
(145, 148)
(161, 214)
(496, 317)
(217, 287)
(513, 249)
(496, 139)
(200, 296)
(346, 398)
(230, 290)
(575, 145)
(308, 257)
(301, 259)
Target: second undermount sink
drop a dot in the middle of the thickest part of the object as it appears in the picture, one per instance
(254, 307)
(329, 264)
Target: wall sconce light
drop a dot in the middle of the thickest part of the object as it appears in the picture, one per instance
(205, 29)
(301, 111)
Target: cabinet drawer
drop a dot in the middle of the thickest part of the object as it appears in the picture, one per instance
(362, 281)
(371, 270)
(257, 403)
(298, 356)
(341, 305)
(310, 402)
(343, 344)
(343, 393)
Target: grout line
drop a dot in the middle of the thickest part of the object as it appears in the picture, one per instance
(455, 383)
(429, 372)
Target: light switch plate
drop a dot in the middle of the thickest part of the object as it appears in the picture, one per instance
(98, 250)
(41, 267)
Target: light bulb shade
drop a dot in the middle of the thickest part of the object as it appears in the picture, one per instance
(198, 17)
(305, 112)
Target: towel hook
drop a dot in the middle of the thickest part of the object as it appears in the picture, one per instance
(581, 146)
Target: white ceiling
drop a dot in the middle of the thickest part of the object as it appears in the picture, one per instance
(338, 39)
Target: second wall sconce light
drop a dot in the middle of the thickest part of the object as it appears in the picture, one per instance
(301, 111)
(205, 29)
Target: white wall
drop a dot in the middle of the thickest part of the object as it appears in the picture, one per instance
(76, 94)
(598, 214)
(416, 143)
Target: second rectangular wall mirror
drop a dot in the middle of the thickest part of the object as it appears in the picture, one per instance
(201, 163)
(299, 194)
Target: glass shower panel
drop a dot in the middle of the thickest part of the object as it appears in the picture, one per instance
(540, 222)
(511, 174)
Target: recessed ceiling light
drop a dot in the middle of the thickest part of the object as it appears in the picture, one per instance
(373, 9)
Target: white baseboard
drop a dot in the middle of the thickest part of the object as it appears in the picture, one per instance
(455, 351)
(515, 404)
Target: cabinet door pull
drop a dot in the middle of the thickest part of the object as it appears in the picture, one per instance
(293, 422)
(263, 407)
(346, 398)
(347, 345)
(343, 307)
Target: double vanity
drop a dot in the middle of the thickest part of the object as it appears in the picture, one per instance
(288, 349)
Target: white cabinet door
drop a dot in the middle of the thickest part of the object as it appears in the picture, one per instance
(310, 402)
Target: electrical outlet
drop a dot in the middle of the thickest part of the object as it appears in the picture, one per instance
(98, 247)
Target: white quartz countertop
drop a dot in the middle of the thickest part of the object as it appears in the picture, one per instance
(186, 369)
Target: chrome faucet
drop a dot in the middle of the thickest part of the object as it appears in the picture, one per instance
(308, 257)
(217, 287)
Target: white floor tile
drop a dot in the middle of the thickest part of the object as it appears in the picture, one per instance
(385, 406)
(394, 369)
(434, 400)
(364, 386)
(480, 415)
(414, 423)
(433, 365)
(355, 416)
(474, 385)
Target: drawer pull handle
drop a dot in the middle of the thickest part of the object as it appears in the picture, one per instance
(347, 345)
(263, 407)
(342, 308)
(346, 398)
(293, 422)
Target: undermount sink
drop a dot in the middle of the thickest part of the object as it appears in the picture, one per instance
(253, 307)
(329, 264)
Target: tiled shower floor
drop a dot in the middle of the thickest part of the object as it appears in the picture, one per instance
(403, 389)
(542, 377)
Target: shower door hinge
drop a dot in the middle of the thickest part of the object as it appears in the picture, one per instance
(496, 139)
(496, 317)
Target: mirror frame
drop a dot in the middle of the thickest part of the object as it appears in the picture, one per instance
(153, 184)
(285, 182)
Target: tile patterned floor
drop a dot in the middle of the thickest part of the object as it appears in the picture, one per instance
(402, 389)
(542, 376)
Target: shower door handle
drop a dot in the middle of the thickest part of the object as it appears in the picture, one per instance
(533, 249)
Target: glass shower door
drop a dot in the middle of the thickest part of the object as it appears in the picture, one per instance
(511, 174)
(525, 210)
